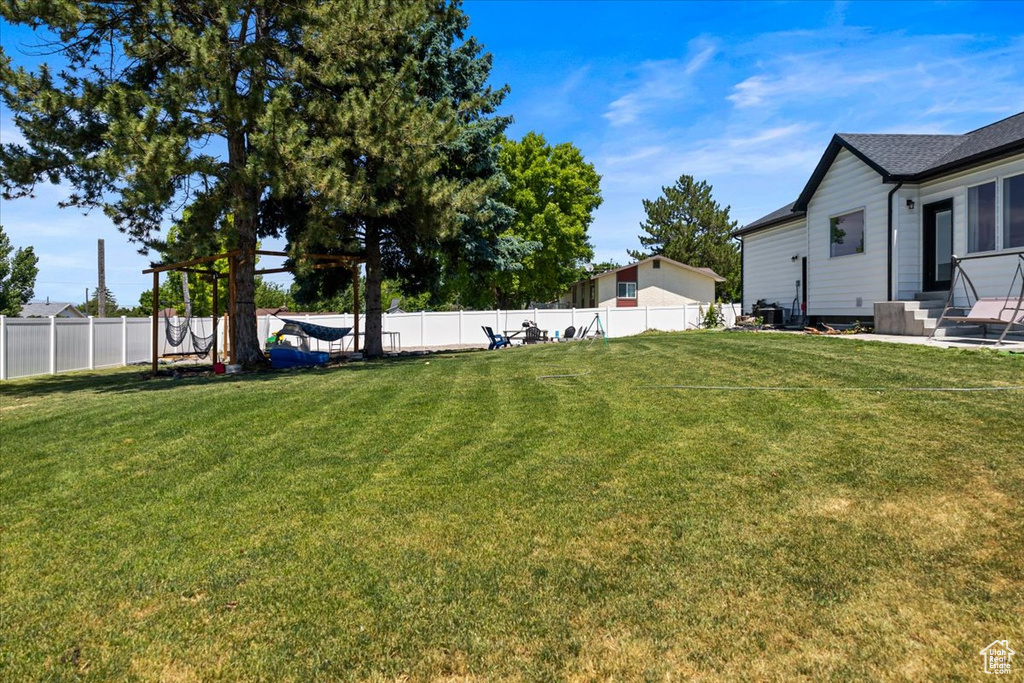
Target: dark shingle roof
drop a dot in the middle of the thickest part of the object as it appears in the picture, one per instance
(1001, 135)
(907, 158)
(777, 217)
(901, 154)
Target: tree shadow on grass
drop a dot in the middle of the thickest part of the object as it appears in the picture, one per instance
(137, 379)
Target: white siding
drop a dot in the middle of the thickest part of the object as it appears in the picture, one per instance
(836, 283)
(769, 271)
(991, 276)
(907, 255)
(671, 285)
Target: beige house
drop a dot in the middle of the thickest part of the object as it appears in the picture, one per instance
(655, 281)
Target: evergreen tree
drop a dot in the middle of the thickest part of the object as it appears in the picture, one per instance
(686, 224)
(399, 154)
(17, 276)
(160, 105)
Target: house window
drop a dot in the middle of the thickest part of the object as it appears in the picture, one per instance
(656, 264)
(846, 233)
(627, 290)
(981, 217)
(1013, 212)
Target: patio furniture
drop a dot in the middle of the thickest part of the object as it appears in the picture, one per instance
(496, 340)
(533, 335)
(1007, 311)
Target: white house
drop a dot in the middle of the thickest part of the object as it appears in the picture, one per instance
(882, 217)
(655, 281)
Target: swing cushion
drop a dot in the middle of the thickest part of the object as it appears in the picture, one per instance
(993, 311)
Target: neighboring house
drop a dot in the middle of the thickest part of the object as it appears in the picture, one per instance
(881, 217)
(44, 309)
(655, 281)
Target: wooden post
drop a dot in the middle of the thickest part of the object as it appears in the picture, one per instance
(215, 358)
(155, 325)
(355, 308)
(232, 312)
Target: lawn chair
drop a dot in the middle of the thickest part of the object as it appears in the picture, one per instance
(496, 340)
(569, 332)
(534, 335)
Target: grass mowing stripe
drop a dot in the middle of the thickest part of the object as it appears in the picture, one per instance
(456, 517)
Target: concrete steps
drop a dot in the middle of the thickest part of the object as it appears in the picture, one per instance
(918, 318)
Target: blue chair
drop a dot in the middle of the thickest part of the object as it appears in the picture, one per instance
(497, 340)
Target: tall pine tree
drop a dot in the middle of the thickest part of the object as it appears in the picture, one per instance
(394, 152)
(374, 116)
(158, 105)
(686, 224)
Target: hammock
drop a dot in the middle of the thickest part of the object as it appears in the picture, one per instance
(177, 333)
(299, 328)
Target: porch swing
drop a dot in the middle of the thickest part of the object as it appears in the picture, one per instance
(1007, 311)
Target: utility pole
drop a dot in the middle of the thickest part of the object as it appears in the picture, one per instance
(101, 292)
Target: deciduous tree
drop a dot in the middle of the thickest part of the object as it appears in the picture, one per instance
(554, 192)
(17, 276)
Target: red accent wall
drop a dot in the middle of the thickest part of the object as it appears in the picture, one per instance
(626, 275)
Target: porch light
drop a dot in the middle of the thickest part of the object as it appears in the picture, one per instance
(910, 204)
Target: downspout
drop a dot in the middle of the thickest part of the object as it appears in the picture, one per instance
(742, 272)
(888, 289)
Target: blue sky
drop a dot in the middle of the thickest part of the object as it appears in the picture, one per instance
(743, 95)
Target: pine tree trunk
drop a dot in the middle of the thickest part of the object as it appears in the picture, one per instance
(247, 350)
(373, 347)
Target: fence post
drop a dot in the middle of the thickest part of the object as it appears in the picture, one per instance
(92, 343)
(53, 345)
(497, 320)
(573, 323)
(460, 326)
(423, 325)
(152, 335)
(3, 347)
(607, 322)
(647, 318)
(124, 340)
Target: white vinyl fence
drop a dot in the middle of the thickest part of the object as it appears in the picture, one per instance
(464, 327)
(39, 346)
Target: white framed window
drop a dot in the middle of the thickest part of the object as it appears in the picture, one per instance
(1013, 212)
(981, 217)
(627, 290)
(846, 234)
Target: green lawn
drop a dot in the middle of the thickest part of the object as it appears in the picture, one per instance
(469, 516)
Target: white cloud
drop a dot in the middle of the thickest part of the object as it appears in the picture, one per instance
(661, 82)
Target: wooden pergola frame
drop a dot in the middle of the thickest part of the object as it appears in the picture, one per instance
(350, 261)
